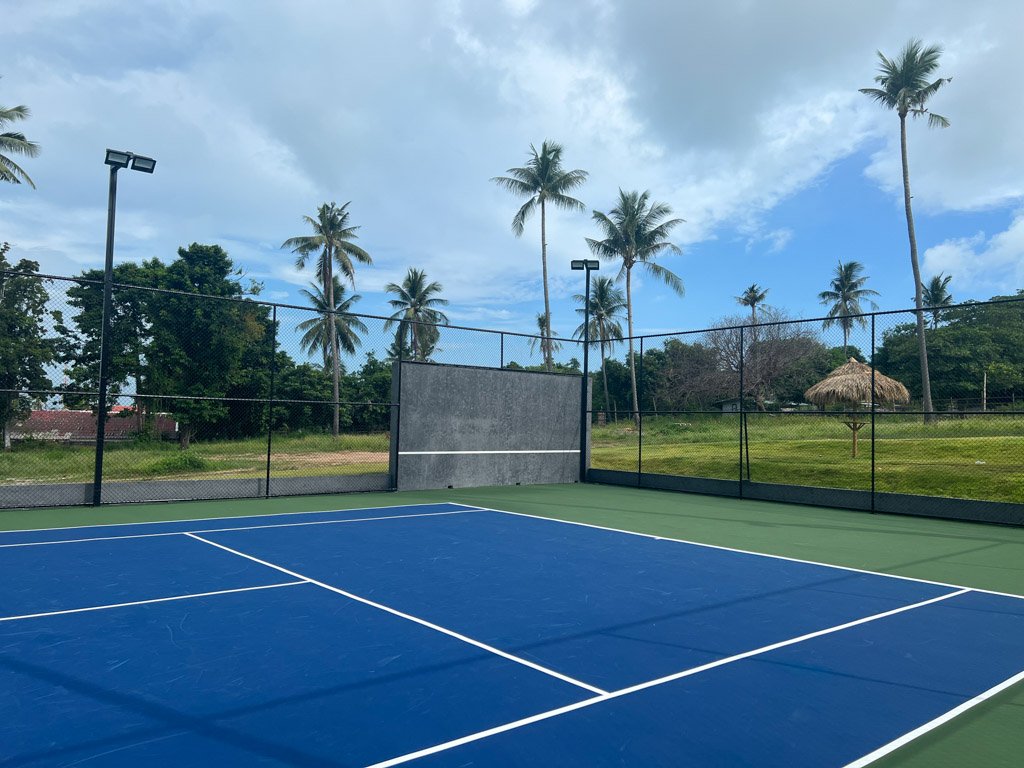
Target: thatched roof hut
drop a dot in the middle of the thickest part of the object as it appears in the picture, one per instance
(850, 384)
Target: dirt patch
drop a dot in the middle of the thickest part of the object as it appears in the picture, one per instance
(331, 458)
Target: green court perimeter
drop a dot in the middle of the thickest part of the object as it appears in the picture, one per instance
(968, 554)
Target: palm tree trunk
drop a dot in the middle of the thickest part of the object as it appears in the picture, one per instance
(546, 342)
(632, 361)
(922, 346)
(846, 343)
(332, 334)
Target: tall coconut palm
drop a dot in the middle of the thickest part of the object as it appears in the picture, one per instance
(14, 143)
(315, 331)
(751, 297)
(635, 233)
(845, 297)
(606, 305)
(542, 180)
(905, 86)
(416, 313)
(332, 242)
(936, 294)
(547, 343)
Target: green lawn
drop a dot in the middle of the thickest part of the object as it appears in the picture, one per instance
(980, 457)
(292, 456)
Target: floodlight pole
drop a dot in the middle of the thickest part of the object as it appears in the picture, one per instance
(116, 161)
(587, 265)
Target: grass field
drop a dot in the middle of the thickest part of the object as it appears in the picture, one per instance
(980, 457)
(303, 456)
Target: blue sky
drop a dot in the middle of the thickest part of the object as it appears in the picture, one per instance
(743, 116)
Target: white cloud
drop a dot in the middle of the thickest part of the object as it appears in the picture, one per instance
(980, 262)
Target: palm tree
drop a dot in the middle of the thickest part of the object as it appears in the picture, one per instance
(905, 88)
(13, 142)
(542, 180)
(606, 305)
(844, 299)
(634, 233)
(751, 297)
(548, 344)
(315, 333)
(332, 240)
(936, 294)
(416, 312)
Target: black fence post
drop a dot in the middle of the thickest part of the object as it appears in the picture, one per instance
(640, 416)
(270, 399)
(502, 350)
(873, 409)
(743, 411)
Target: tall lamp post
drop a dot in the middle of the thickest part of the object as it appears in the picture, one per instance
(587, 266)
(116, 160)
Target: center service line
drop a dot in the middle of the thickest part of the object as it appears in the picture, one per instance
(408, 617)
(652, 683)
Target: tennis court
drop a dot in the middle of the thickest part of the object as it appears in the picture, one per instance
(451, 634)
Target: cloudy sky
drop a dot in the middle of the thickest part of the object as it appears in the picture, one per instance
(743, 116)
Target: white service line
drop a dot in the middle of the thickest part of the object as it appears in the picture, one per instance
(236, 528)
(152, 600)
(409, 617)
(931, 725)
(470, 508)
(652, 683)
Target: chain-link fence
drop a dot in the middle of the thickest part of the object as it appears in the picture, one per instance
(830, 411)
(208, 396)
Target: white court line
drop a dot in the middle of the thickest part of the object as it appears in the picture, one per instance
(235, 528)
(409, 617)
(652, 683)
(475, 453)
(232, 517)
(931, 725)
(741, 551)
(147, 602)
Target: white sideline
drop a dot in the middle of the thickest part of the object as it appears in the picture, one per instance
(470, 508)
(652, 683)
(232, 517)
(235, 528)
(931, 725)
(151, 600)
(408, 617)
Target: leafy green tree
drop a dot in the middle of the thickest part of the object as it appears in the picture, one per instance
(606, 306)
(635, 233)
(543, 180)
(752, 297)
(844, 298)
(79, 336)
(24, 349)
(548, 344)
(935, 294)
(332, 241)
(315, 333)
(14, 143)
(906, 86)
(198, 343)
(417, 312)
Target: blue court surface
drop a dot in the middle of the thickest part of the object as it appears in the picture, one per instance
(447, 635)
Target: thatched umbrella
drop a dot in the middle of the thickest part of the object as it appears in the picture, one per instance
(850, 384)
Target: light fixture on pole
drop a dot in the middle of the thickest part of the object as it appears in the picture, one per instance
(117, 160)
(588, 266)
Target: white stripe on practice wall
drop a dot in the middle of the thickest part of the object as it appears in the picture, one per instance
(476, 453)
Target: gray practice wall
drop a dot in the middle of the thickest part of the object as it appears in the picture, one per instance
(464, 427)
